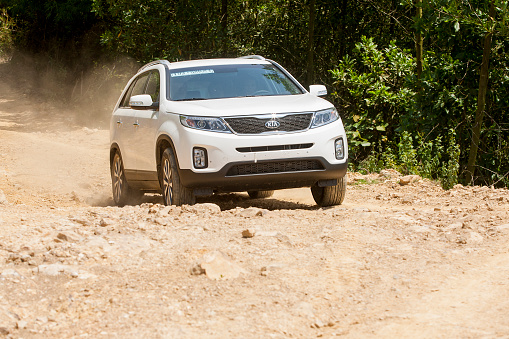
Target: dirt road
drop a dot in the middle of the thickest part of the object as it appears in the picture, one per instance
(394, 261)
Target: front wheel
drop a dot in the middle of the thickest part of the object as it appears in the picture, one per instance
(330, 195)
(174, 193)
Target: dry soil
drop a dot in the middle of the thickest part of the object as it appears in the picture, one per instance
(393, 261)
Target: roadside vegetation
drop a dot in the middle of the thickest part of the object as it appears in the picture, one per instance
(422, 86)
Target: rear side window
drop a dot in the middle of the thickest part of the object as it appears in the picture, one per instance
(153, 86)
(146, 83)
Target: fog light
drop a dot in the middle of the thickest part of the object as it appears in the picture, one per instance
(339, 148)
(200, 157)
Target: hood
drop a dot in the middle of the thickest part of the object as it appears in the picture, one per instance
(249, 106)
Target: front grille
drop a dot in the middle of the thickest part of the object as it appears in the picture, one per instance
(273, 148)
(275, 167)
(256, 125)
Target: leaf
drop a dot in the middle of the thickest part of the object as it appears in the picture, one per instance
(380, 128)
(365, 144)
(456, 26)
(356, 118)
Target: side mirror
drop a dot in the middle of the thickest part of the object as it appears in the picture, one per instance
(318, 90)
(142, 101)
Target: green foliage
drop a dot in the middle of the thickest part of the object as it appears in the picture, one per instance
(6, 26)
(429, 159)
(151, 29)
(45, 25)
(443, 99)
(363, 51)
(407, 154)
(450, 167)
(371, 89)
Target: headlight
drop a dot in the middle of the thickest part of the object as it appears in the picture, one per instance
(205, 124)
(325, 117)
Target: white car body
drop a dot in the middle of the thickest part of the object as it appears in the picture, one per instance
(140, 133)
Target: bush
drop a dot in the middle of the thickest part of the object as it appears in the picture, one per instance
(6, 26)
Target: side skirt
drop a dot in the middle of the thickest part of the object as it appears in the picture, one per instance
(144, 180)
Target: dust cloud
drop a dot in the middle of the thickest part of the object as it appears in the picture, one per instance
(64, 95)
(57, 121)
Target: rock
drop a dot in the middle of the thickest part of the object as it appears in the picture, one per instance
(21, 325)
(283, 239)
(408, 199)
(217, 266)
(3, 198)
(83, 275)
(248, 233)
(68, 236)
(461, 240)
(389, 173)
(475, 238)
(454, 226)
(4, 331)
(10, 273)
(58, 269)
(408, 179)
(163, 212)
(106, 222)
(80, 221)
(252, 212)
(202, 209)
(266, 270)
(55, 269)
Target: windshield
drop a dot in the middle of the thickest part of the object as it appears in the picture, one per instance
(229, 81)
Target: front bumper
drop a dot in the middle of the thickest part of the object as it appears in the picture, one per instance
(260, 162)
(290, 174)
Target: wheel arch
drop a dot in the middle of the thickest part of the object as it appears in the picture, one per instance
(164, 142)
(114, 148)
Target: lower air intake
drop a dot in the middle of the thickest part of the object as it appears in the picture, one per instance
(275, 167)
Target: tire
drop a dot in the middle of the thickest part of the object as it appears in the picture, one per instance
(123, 194)
(330, 195)
(260, 194)
(174, 193)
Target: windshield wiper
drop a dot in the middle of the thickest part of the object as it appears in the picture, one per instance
(191, 99)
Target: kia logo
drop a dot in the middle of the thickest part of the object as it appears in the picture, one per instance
(272, 124)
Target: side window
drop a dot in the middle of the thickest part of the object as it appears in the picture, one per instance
(136, 88)
(153, 86)
(139, 86)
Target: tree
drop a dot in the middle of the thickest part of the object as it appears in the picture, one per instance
(481, 99)
(310, 48)
(44, 26)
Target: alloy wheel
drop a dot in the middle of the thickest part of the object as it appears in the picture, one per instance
(167, 182)
(118, 178)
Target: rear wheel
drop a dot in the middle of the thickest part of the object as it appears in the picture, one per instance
(122, 193)
(260, 194)
(174, 193)
(330, 195)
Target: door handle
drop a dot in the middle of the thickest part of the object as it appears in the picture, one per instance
(136, 124)
(119, 122)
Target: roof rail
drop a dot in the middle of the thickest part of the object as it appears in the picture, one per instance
(259, 57)
(156, 62)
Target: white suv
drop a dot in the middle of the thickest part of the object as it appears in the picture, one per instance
(198, 127)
